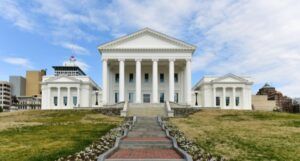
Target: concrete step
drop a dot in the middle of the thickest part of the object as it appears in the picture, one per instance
(146, 105)
(146, 143)
(145, 159)
(146, 135)
(152, 112)
(145, 154)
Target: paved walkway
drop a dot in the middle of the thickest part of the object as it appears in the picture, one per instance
(146, 142)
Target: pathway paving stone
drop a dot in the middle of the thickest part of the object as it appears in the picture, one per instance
(146, 142)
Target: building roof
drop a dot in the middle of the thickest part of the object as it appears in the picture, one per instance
(228, 78)
(146, 31)
(70, 79)
(68, 68)
(267, 85)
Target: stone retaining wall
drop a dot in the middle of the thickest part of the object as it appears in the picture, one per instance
(109, 111)
(184, 112)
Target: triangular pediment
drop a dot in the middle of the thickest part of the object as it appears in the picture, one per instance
(62, 79)
(146, 39)
(230, 78)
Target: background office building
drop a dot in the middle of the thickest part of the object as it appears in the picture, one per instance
(33, 83)
(5, 95)
(18, 85)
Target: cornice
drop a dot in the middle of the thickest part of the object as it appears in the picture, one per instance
(159, 35)
(166, 50)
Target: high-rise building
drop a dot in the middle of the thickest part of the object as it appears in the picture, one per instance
(68, 69)
(18, 85)
(33, 82)
(5, 95)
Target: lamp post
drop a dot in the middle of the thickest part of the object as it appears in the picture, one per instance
(196, 94)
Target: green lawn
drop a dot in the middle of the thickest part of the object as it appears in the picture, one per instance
(48, 135)
(244, 135)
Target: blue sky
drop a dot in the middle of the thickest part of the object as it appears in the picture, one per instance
(253, 38)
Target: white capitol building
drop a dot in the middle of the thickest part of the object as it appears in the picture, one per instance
(145, 67)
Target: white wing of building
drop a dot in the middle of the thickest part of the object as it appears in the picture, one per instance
(226, 92)
(68, 92)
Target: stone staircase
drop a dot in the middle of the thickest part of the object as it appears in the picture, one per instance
(146, 110)
(146, 142)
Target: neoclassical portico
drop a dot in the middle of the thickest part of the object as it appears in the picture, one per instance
(226, 92)
(69, 92)
(146, 67)
(155, 84)
(67, 96)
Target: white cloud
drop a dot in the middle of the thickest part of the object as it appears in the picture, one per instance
(18, 61)
(76, 49)
(257, 38)
(11, 11)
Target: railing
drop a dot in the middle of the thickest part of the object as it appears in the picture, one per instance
(125, 109)
(170, 112)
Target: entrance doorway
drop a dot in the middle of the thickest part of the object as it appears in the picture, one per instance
(146, 98)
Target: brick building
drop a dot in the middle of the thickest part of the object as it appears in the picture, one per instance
(283, 102)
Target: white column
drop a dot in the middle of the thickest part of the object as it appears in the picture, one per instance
(122, 80)
(78, 96)
(104, 82)
(154, 80)
(244, 98)
(214, 97)
(58, 98)
(188, 75)
(224, 97)
(49, 98)
(69, 104)
(138, 91)
(171, 80)
(234, 100)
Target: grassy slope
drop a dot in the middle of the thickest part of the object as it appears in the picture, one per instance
(245, 135)
(48, 135)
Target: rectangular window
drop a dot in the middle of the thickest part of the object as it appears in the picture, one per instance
(116, 97)
(218, 102)
(227, 101)
(161, 77)
(146, 77)
(55, 100)
(146, 98)
(130, 77)
(74, 100)
(130, 97)
(96, 103)
(117, 77)
(65, 100)
(176, 97)
(237, 101)
(176, 77)
(162, 98)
